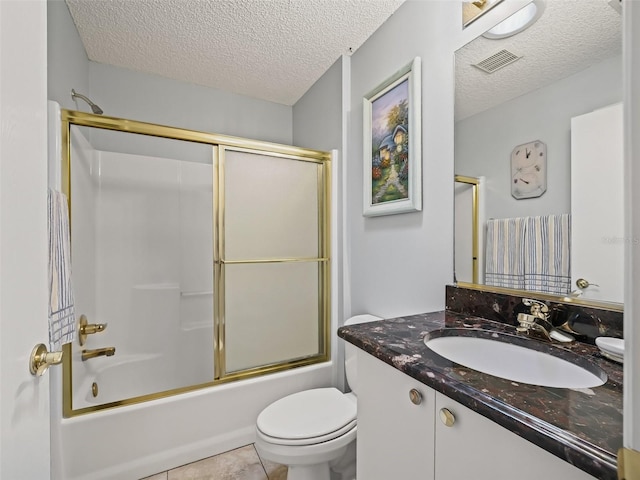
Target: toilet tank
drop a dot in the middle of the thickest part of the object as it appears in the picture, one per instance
(351, 352)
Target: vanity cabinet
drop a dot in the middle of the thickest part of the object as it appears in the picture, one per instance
(395, 435)
(475, 447)
(437, 438)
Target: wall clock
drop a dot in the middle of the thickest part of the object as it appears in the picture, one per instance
(529, 170)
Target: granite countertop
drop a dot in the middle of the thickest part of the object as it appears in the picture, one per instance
(581, 426)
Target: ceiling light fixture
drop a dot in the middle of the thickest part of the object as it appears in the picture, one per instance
(517, 22)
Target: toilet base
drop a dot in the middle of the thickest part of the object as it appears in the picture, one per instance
(344, 468)
(332, 460)
(309, 472)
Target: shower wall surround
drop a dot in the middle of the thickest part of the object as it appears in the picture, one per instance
(142, 246)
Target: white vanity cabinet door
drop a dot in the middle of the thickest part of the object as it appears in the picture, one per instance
(475, 447)
(395, 436)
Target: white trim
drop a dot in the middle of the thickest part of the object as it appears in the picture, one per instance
(631, 96)
(25, 443)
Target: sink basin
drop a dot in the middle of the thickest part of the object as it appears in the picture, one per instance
(496, 355)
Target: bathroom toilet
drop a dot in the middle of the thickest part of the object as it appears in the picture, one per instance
(313, 432)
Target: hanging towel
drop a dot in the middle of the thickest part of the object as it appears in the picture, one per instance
(62, 319)
(504, 256)
(547, 254)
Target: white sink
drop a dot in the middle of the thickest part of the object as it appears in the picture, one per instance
(516, 363)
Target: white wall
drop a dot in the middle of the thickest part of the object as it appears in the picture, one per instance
(317, 115)
(483, 142)
(68, 65)
(150, 98)
(401, 263)
(318, 124)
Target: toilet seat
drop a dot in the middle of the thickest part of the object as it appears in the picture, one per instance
(308, 441)
(307, 418)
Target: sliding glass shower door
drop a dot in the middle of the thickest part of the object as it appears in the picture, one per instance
(206, 261)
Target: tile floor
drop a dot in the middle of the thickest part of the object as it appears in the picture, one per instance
(243, 463)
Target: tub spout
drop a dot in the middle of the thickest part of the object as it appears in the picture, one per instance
(98, 352)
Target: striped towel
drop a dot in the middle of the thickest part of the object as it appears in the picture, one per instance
(62, 319)
(529, 253)
(547, 254)
(504, 263)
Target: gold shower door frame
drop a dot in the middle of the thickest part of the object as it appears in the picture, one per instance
(220, 145)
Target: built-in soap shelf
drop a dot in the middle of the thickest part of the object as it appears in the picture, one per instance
(173, 286)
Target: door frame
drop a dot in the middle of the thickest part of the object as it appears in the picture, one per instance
(25, 446)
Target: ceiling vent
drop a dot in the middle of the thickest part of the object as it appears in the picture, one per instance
(497, 61)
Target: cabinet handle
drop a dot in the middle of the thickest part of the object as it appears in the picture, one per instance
(447, 417)
(415, 396)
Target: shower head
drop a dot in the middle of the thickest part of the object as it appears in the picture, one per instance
(94, 108)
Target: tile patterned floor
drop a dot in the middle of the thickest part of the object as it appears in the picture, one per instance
(240, 464)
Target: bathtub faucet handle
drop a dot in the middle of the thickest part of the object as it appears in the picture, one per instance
(87, 328)
(98, 352)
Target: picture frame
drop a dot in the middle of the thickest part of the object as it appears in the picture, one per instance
(392, 158)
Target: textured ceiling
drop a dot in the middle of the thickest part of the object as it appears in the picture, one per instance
(570, 36)
(268, 49)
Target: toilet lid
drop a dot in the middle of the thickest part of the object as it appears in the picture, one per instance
(308, 414)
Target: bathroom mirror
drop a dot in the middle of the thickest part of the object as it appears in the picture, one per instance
(564, 66)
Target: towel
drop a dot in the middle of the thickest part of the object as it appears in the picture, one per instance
(504, 264)
(62, 318)
(547, 252)
(529, 253)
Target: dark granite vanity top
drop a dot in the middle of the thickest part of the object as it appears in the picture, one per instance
(581, 426)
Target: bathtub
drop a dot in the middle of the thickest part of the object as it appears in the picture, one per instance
(135, 441)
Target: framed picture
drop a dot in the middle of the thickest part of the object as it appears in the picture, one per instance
(392, 157)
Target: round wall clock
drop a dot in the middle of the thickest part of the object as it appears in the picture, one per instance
(529, 170)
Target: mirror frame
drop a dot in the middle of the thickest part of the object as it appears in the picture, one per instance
(483, 9)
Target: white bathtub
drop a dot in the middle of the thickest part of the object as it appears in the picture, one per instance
(139, 440)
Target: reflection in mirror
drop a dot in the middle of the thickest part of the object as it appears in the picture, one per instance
(532, 116)
(469, 264)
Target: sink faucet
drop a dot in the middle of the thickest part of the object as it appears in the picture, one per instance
(537, 322)
(98, 352)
